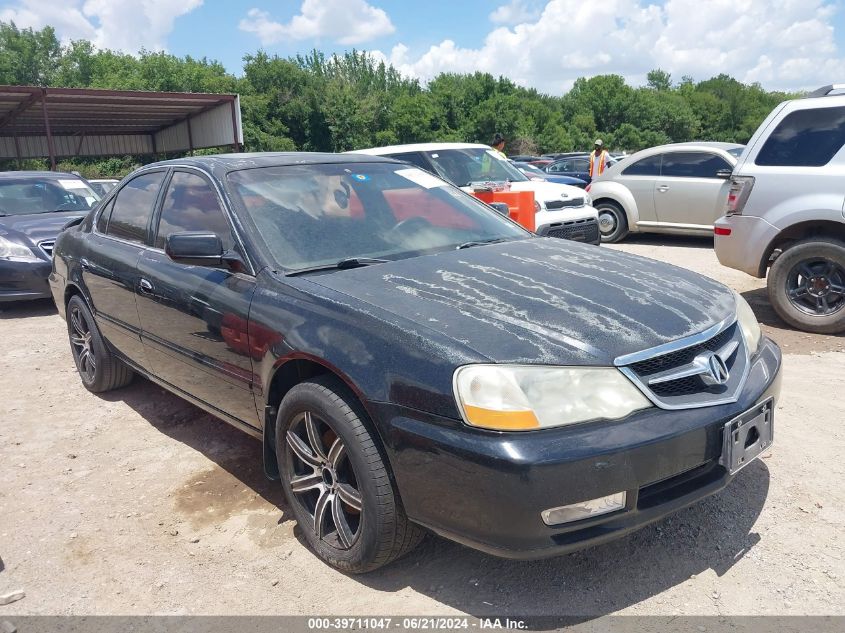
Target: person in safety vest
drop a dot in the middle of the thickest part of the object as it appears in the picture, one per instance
(598, 159)
(498, 144)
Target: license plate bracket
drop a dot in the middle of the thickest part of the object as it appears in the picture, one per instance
(746, 436)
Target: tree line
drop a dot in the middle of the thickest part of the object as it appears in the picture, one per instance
(315, 102)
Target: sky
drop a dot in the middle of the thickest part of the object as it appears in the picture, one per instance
(544, 44)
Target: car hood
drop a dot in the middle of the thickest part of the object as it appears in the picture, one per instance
(38, 226)
(541, 300)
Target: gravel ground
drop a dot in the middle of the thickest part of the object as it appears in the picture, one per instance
(139, 503)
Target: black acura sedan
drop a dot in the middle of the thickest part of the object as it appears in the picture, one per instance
(412, 359)
(34, 207)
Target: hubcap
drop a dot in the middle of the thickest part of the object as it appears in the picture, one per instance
(323, 480)
(607, 222)
(816, 287)
(80, 340)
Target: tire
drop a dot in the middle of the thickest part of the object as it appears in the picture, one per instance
(375, 529)
(806, 285)
(613, 223)
(99, 369)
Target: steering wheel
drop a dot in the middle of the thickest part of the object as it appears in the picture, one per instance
(416, 223)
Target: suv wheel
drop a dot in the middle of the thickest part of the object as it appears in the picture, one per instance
(807, 286)
(99, 369)
(613, 224)
(336, 480)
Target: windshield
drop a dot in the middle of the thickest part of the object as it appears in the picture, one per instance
(22, 196)
(530, 169)
(474, 164)
(736, 151)
(316, 215)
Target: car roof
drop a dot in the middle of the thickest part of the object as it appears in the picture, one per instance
(416, 147)
(37, 175)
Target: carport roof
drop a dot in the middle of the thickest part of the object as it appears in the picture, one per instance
(88, 111)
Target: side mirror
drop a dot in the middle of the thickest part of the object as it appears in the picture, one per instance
(502, 208)
(195, 249)
(724, 174)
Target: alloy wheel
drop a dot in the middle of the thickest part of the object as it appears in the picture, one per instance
(80, 340)
(607, 222)
(816, 286)
(323, 480)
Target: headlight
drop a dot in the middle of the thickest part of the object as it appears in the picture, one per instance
(748, 324)
(588, 200)
(537, 207)
(15, 252)
(525, 397)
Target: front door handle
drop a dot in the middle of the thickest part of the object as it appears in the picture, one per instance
(145, 286)
(663, 188)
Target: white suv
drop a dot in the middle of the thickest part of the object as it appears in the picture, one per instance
(785, 210)
(562, 210)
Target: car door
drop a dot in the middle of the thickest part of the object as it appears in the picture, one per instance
(688, 190)
(109, 262)
(639, 178)
(194, 318)
(580, 168)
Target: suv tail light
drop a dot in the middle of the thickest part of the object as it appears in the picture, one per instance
(738, 194)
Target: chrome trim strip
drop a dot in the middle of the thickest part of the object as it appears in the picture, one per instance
(695, 368)
(674, 346)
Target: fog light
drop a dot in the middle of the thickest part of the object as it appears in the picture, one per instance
(584, 509)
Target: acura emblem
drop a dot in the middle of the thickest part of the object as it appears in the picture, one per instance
(715, 370)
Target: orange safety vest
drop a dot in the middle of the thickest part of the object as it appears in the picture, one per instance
(602, 156)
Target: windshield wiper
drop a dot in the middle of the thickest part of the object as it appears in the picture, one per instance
(481, 242)
(349, 262)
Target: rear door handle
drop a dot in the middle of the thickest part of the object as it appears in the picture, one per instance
(145, 286)
(663, 188)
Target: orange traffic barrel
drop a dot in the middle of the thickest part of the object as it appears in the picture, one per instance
(520, 205)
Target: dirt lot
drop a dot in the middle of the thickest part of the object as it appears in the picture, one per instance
(138, 503)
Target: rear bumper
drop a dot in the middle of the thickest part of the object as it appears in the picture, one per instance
(487, 490)
(746, 245)
(22, 281)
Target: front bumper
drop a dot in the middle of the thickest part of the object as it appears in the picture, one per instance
(487, 489)
(746, 245)
(22, 281)
(575, 223)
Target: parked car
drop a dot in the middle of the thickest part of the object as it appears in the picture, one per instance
(784, 214)
(34, 207)
(575, 165)
(562, 210)
(535, 173)
(679, 188)
(411, 359)
(103, 185)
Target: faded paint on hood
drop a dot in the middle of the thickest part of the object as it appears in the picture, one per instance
(541, 300)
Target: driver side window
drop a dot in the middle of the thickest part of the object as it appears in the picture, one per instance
(191, 204)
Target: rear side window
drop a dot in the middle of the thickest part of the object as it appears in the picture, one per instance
(191, 204)
(415, 158)
(133, 207)
(649, 166)
(805, 138)
(692, 165)
(103, 218)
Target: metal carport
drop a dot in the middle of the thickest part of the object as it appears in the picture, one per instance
(51, 123)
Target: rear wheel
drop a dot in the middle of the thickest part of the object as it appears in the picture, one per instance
(99, 369)
(336, 480)
(613, 223)
(806, 286)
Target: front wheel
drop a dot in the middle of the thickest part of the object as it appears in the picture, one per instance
(99, 369)
(806, 286)
(336, 480)
(613, 223)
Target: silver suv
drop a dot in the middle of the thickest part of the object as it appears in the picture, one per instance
(784, 211)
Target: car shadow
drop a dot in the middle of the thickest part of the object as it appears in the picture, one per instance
(660, 239)
(230, 449)
(23, 309)
(711, 535)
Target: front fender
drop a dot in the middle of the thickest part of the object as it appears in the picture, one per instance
(621, 195)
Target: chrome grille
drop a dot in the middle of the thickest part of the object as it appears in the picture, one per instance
(47, 247)
(685, 374)
(562, 204)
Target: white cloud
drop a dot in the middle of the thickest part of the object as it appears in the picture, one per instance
(343, 21)
(126, 25)
(783, 44)
(515, 12)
